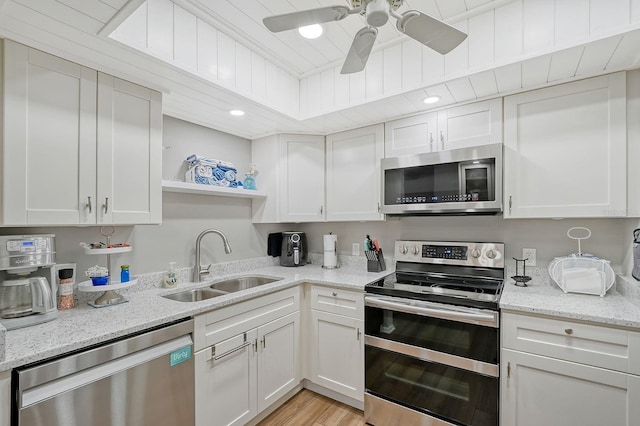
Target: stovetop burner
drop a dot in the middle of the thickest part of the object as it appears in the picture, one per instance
(467, 274)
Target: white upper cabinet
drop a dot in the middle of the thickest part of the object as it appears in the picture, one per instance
(301, 178)
(565, 150)
(413, 135)
(469, 125)
(353, 174)
(49, 139)
(129, 152)
(79, 148)
(479, 123)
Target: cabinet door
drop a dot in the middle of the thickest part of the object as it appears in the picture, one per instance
(49, 139)
(278, 359)
(537, 390)
(353, 174)
(5, 398)
(129, 158)
(469, 125)
(413, 135)
(225, 380)
(301, 178)
(565, 150)
(337, 352)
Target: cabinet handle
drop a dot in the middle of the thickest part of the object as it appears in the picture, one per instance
(321, 209)
(508, 370)
(334, 294)
(358, 333)
(89, 204)
(510, 203)
(255, 345)
(106, 205)
(229, 352)
(378, 207)
(442, 139)
(264, 342)
(430, 141)
(568, 331)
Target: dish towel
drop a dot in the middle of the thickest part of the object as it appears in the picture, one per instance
(274, 244)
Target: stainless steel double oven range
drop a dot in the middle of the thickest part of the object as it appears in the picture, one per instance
(432, 339)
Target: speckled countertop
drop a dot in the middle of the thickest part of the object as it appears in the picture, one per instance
(619, 307)
(84, 325)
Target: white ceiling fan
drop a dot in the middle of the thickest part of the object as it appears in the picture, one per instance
(429, 31)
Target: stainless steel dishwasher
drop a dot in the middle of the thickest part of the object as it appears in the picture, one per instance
(147, 379)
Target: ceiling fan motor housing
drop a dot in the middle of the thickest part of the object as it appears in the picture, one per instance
(377, 13)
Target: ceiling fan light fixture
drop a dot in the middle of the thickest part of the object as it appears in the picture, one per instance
(311, 31)
(431, 99)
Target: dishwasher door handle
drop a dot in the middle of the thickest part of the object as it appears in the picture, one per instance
(85, 377)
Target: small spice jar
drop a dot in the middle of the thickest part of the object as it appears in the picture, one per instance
(65, 287)
(124, 274)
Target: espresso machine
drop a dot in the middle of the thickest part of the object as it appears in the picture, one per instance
(27, 280)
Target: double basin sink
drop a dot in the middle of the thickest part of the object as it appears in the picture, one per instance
(220, 288)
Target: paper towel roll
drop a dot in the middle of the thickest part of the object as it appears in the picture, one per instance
(330, 251)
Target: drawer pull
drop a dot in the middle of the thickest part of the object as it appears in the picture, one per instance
(334, 294)
(568, 330)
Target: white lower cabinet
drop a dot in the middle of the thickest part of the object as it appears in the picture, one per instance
(247, 357)
(556, 371)
(538, 390)
(336, 340)
(337, 353)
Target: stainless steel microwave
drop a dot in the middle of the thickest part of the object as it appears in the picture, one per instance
(459, 181)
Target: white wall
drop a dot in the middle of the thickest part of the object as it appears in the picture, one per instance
(610, 237)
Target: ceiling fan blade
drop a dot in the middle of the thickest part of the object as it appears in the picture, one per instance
(359, 51)
(289, 21)
(431, 32)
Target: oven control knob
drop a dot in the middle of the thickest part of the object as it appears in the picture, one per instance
(491, 254)
(475, 253)
(415, 250)
(403, 249)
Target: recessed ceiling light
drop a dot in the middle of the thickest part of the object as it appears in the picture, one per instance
(236, 112)
(431, 99)
(311, 31)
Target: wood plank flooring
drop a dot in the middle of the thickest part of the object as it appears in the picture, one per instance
(309, 408)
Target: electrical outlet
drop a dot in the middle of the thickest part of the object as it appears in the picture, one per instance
(529, 253)
(355, 249)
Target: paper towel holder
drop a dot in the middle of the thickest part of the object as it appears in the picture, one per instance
(334, 251)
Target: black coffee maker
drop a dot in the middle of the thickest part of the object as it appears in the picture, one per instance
(294, 249)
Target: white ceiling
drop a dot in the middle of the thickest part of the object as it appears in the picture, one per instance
(74, 29)
(300, 56)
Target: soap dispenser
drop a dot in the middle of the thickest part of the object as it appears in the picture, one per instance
(170, 280)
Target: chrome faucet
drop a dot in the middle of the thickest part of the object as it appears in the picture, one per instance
(199, 270)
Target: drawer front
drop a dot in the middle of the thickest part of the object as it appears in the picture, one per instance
(337, 301)
(600, 346)
(223, 323)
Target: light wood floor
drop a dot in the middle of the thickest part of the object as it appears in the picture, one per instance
(309, 408)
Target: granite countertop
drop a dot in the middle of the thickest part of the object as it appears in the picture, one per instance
(84, 325)
(619, 307)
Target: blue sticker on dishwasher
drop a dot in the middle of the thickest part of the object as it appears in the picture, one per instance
(180, 355)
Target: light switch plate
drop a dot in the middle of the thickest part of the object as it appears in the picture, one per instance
(355, 249)
(529, 253)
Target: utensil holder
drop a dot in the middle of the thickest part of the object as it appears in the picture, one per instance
(375, 261)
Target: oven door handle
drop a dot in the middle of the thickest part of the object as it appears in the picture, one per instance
(489, 319)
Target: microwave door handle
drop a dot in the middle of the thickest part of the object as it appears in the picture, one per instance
(441, 313)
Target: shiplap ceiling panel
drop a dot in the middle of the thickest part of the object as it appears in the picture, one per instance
(93, 8)
(535, 71)
(627, 53)
(116, 4)
(596, 55)
(484, 84)
(565, 63)
(446, 98)
(451, 8)
(461, 90)
(509, 78)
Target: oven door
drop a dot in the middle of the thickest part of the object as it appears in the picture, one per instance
(435, 360)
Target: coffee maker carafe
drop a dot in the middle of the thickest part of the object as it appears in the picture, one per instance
(27, 281)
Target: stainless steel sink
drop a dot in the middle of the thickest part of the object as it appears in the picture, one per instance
(242, 283)
(195, 295)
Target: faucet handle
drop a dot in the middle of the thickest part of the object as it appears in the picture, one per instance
(205, 270)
